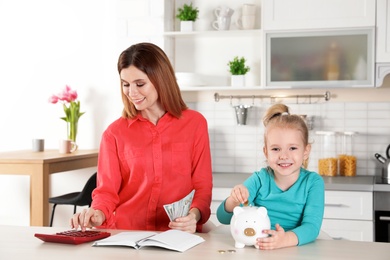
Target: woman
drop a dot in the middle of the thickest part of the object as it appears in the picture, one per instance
(155, 154)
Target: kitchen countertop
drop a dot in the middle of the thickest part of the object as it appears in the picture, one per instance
(340, 183)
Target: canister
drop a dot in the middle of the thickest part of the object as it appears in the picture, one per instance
(327, 162)
(346, 158)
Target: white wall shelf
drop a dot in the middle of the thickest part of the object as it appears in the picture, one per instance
(228, 33)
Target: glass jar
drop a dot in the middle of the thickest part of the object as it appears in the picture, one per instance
(347, 161)
(327, 162)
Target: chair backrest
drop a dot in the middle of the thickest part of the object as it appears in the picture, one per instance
(86, 193)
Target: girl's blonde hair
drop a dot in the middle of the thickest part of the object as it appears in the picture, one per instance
(278, 115)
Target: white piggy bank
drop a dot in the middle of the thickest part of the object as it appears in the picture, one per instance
(247, 224)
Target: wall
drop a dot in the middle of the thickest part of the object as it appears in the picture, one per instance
(238, 148)
(46, 44)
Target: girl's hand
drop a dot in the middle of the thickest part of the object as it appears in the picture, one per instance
(278, 238)
(238, 195)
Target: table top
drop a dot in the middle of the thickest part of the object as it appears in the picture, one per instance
(20, 243)
(28, 156)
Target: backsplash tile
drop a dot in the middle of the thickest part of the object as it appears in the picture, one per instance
(239, 148)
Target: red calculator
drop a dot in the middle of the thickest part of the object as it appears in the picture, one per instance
(74, 237)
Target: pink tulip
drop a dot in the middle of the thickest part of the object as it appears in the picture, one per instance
(53, 99)
(68, 94)
(73, 95)
(64, 96)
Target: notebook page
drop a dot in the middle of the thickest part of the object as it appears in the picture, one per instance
(124, 239)
(173, 239)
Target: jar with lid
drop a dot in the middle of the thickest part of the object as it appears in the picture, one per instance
(347, 161)
(327, 162)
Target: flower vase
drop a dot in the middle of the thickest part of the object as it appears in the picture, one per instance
(72, 130)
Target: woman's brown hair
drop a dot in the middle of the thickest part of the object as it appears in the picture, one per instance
(152, 60)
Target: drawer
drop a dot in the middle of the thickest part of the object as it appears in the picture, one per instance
(348, 205)
(356, 230)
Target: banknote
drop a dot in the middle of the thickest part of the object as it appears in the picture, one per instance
(179, 208)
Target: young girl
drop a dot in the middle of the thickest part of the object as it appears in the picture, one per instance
(293, 196)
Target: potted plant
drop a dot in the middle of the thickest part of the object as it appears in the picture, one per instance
(238, 69)
(187, 14)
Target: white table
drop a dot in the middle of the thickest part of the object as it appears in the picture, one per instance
(20, 243)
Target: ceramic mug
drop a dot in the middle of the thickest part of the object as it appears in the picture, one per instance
(248, 9)
(246, 22)
(67, 146)
(223, 11)
(38, 145)
(222, 23)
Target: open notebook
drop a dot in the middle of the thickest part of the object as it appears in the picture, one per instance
(171, 239)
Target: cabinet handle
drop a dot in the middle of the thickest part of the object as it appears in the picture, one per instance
(334, 205)
(384, 218)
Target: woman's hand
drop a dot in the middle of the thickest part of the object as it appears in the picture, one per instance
(278, 238)
(187, 223)
(87, 218)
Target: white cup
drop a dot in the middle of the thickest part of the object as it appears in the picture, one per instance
(38, 145)
(67, 146)
(248, 9)
(223, 11)
(246, 22)
(222, 23)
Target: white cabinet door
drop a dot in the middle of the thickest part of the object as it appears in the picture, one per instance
(355, 230)
(383, 31)
(317, 14)
(349, 215)
(348, 205)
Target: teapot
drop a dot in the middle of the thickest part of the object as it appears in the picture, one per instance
(386, 165)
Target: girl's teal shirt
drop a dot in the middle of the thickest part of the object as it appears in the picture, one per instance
(299, 209)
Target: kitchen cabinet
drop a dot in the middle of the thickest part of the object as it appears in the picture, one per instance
(382, 40)
(317, 14)
(320, 58)
(219, 195)
(349, 215)
(383, 31)
(205, 52)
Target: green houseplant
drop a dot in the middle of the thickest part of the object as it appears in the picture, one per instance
(237, 66)
(187, 14)
(238, 69)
